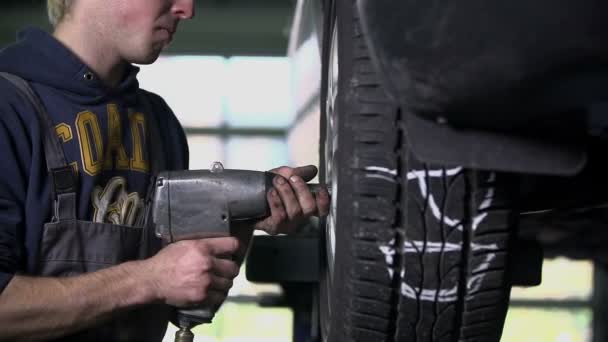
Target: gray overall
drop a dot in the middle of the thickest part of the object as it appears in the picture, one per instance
(71, 247)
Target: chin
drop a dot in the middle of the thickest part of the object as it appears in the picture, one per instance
(148, 60)
(144, 55)
(145, 59)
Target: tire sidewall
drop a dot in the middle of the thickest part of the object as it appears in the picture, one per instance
(340, 14)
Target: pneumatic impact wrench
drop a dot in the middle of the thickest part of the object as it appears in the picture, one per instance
(201, 204)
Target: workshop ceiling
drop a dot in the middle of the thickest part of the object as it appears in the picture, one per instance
(221, 27)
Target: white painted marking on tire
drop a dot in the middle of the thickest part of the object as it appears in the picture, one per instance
(433, 173)
(389, 252)
(485, 204)
(429, 295)
(436, 247)
(478, 219)
(487, 201)
(449, 295)
(475, 282)
(381, 169)
(421, 176)
(386, 178)
(486, 264)
(484, 247)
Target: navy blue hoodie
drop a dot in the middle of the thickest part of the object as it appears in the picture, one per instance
(103, 135)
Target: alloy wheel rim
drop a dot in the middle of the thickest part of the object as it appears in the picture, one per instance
(331, 148)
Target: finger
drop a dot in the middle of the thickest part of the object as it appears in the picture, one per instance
(214, 299)
(305, 198)
(284, 171)
(211, 298)
(220, 284)
(323, 202)
(221, 245)
(277, 214)
(278, 222)
(288, 197)
(307, 172)
(225, 268)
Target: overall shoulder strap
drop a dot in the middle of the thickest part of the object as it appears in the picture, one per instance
(157, 154)
(64, 182)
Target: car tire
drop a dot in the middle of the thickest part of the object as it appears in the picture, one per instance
(414, 252)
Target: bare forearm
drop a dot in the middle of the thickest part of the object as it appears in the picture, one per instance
(40, 308)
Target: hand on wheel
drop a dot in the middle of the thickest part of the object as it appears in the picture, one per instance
(291, 201)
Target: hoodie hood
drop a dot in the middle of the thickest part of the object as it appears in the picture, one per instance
(40, 58)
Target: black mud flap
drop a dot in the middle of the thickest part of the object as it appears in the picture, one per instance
(526, 266)
(433, 142)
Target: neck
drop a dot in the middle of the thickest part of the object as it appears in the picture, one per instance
(90, 48)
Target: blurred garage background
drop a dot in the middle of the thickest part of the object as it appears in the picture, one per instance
(245, 101)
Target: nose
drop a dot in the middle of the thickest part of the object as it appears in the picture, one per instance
(183, 9)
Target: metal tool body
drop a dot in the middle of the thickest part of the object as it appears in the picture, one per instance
(201, 204)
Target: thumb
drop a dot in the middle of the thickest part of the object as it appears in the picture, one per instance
(307, 172)
(221, 245)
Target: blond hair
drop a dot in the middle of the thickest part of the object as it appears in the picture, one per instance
(57, 9)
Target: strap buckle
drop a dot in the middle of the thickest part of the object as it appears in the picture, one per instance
(64, 181)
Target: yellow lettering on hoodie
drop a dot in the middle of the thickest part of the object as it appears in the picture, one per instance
(115, 146)
(64, 132)
(91, 143)
(138, 129)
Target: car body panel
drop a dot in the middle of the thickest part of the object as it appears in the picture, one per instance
(305, 62)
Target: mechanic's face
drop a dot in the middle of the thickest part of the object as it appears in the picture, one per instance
(140, 29)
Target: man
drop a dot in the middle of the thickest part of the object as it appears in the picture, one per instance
(75, 246)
